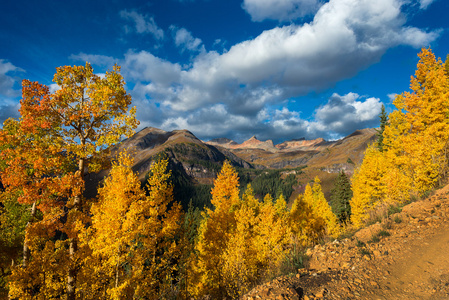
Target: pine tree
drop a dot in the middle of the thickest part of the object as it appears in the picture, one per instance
(383, 123)
(340, 196)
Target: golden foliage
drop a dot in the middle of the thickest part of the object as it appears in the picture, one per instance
(415, 157)
(134, 236)
(240, 241)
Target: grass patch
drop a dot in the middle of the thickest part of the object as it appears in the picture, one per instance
(383, 233)
(364, 251)
(397, 220)
(374, 239)
(360, 244)
(293, 261)
(394, 209)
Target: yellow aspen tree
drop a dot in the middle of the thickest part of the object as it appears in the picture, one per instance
(161, 244)
(114, 227)
(84, 117)
(314, 197)
(241, 266)
(306, 227)
(281, 205)
(133, 236)
(322, 208)
(273, 235)
(367, 185)
(418, 130)
(216, 229)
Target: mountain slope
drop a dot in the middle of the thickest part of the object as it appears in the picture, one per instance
(190, 159)
(407, 261)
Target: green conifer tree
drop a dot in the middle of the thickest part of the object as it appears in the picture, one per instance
(380, 132)
(340, 195)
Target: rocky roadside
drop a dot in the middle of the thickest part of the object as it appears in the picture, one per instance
(405, 256)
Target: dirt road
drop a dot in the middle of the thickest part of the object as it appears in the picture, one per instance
(406, 256)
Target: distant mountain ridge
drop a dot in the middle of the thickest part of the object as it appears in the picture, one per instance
(199, 162)
(268, 145)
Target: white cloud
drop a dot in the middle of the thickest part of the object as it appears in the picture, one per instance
(221, 94)
(9, 90)
(345, 114)
(423, 4)
(391, 97)
(344, 37)
(144, 24)
(7, 80)
(146, 67)
(282, 10)
(185, 40)
(339, 117)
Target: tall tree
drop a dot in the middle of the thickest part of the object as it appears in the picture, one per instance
(380, 133)
(87, 114)
(216, 229)
(418, 132)
(134, 236)
(314, 196)
(341, 193)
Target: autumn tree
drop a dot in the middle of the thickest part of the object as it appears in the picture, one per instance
(418, 131)
(314, 196)
(87, 114)
(37, 177)
(307, 228)
(415, 141)
(216, 228)
(367, 185)
(134, 237)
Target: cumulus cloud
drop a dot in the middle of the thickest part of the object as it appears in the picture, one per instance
(144, 24)
(240, 89)
(345, 114)
(9, 109)
(185, 40)
(340, 116)
(344, 37)
(282, 10)
(9, 90)
(7, 80)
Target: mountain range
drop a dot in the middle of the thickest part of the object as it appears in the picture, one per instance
(199, 161)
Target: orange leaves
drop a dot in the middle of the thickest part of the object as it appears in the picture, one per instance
(73, 126)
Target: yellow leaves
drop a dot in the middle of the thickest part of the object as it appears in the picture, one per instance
(130, 228)
(240, 241)
(416, 141)
(311, 215)
(225, 192)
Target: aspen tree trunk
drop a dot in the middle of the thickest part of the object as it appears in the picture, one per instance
(73, 244)
(26, 249)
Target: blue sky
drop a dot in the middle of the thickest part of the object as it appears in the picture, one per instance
(277, 69)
